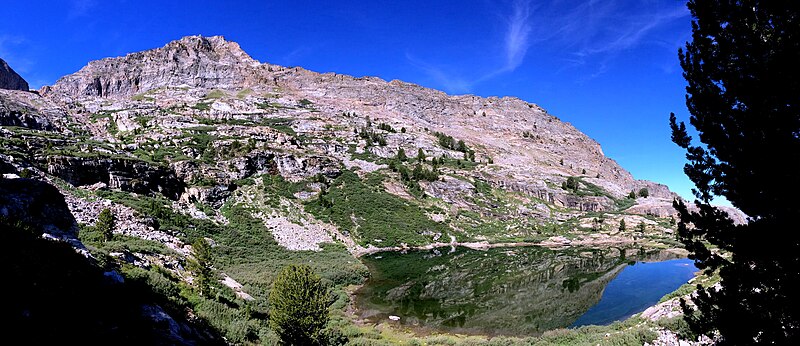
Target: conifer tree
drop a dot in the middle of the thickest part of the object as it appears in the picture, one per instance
(743, 96)
(298, 305)
(105, 224)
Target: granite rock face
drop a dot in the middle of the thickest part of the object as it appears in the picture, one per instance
(195, 61)
(9, 79)
(26, 109)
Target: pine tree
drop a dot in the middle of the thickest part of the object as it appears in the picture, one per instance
(201, 265)
(401, 155)
(742, 94)
(298, 305)
(105, 224)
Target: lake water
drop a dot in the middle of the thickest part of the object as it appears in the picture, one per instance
(516, 291)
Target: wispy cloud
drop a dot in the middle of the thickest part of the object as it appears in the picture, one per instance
(592, 34)
(516, 42)
(632, 34)
(448, 81)
(517, 33)
(586, 35)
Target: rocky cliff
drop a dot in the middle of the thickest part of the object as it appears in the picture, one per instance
(9, 79)
(199, 62)
(26, 109)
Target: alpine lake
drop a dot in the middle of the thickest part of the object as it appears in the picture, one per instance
(516, 291)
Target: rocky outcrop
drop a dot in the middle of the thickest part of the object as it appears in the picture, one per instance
(195, 61)
(25, 109)
(117, 173)
(214, 196)
(38, 205)
(9, 79)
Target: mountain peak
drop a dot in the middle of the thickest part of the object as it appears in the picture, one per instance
(213, 44)
(195, 61)
(9, 79)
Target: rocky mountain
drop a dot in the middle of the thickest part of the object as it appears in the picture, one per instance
(9, 79)
(197, 119)
(275, 164)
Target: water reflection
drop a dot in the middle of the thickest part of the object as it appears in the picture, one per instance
(511, 291)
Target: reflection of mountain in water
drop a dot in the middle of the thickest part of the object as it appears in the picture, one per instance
(515, 291)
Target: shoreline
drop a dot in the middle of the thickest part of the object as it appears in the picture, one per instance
(552, 242)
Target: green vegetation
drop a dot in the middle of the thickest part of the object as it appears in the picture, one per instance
(276, 187)
(272, 106)
(571, 184)
(142, 97)
(246, 251)
(451, 143)
(202, 106)
(299, 305)
(386, 127)
(44, 272)
(371, 215)
(401, 155)
(216, 94)
(279, 124)
(372, 137)
(644, 193)
(201, 266)
(244, 93)
(740, 71)
(105, 224)
(305, 103)
(26, 173)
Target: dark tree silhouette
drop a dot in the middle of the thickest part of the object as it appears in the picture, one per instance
(743, 94)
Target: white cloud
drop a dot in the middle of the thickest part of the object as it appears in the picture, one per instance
(518, 30)
(515, 47)
(592, 34)
(450, 83)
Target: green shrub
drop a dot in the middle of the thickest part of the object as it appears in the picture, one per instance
(299, 306)
(26, 173)
(571, 184)
(105, 224)
(202, 106)
(216, 94)
(370, 213)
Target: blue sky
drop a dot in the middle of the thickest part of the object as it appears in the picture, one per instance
(608, 67)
